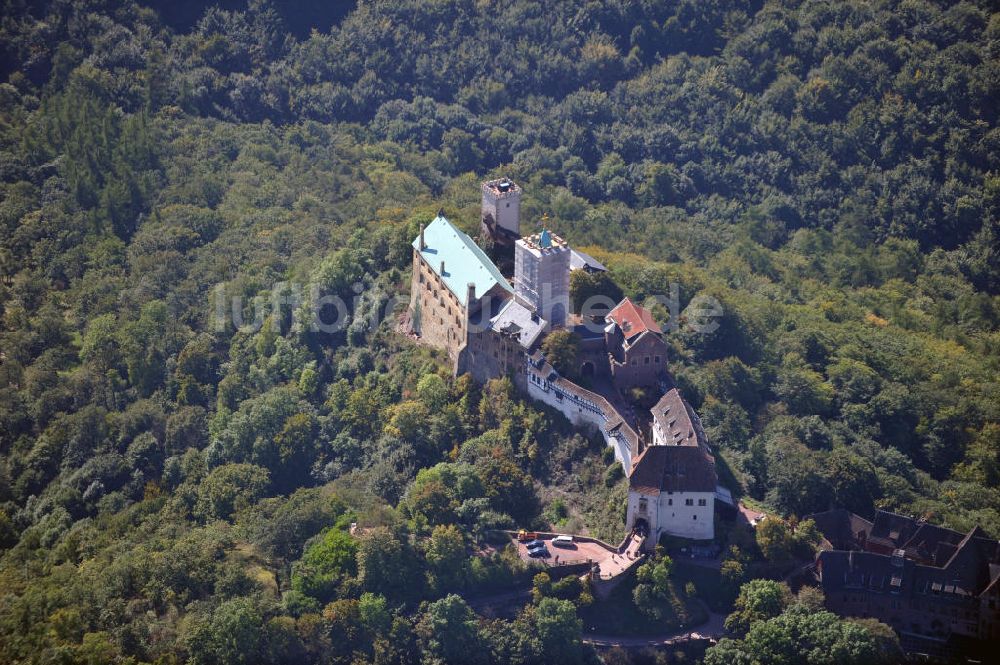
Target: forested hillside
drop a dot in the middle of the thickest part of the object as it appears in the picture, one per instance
(174, 487)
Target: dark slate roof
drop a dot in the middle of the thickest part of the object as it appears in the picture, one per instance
(932, 544)
(969, 565)
(686, 463)
(841, 527)
(891, 529)
(673, 469)
(678, 420)
(866, 570)
(972, 568)
(994, 576)
(581, 261)
(516, 319)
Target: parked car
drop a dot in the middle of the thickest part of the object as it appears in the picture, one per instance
(534, 544)
(539, 553)
(562, 541)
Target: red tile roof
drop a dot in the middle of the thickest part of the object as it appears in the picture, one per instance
(633, 319)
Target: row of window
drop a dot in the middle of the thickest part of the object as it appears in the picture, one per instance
(431, 275)
(635, 361)
(438, 301)
(689, 502)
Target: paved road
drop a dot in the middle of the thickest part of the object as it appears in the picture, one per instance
(710, 629)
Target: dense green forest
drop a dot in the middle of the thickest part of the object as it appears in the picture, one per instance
(174, 488)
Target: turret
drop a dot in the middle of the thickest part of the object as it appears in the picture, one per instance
(502, 206)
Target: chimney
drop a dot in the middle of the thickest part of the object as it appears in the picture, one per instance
(422, 243)
(472, 293)
(442, 268)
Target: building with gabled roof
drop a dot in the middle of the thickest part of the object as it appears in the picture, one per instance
(583, 407)
(632, 319)
(453, 282)
(673, 482)
(500, 339)
(637, 354)
(458, 261)
(938, 588)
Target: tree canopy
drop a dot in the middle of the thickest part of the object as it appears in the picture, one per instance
(190, 425)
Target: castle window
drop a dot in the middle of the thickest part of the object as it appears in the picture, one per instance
(656, 359)
(701, 502)
(688, 502)
(633, 363)
(643, 505)
(646, 360)
(694, 517)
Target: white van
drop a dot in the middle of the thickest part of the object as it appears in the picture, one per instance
(562, 541)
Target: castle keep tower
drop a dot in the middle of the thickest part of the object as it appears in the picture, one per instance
(541, 276)
(501, 219)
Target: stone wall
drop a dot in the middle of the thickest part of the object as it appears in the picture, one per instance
(583, 407)
(640, 365)
(490, 354)
(438, 316)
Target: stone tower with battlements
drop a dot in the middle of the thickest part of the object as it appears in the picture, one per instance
(501, 219)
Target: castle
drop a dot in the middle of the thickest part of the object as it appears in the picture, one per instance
(491, 326)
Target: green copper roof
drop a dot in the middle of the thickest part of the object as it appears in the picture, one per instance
(545, 240)
(464, 261)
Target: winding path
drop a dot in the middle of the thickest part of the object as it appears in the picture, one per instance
(711, 629)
